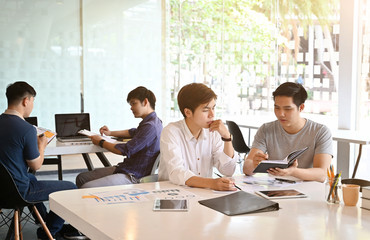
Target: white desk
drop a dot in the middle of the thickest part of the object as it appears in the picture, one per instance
(310, 218)
(349, 136)
(56, 148)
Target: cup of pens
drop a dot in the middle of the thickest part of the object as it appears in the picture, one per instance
(333, 188)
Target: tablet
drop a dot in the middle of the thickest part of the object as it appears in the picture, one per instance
(281, 193)
(171, 205)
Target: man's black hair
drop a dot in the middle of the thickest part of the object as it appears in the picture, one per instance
(17, 91)
(141, 93)
(290, 89)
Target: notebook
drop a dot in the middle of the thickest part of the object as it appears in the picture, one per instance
(240, 203)
(67, 126)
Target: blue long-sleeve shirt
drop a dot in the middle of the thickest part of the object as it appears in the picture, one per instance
(142, 150)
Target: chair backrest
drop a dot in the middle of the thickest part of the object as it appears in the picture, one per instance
(156, 164)
(238, 139)
(361, 182)
(10, 196)
(149, 178)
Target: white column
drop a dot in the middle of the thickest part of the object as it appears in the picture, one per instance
(348, 75)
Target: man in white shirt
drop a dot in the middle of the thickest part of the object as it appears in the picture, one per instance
(191, 147)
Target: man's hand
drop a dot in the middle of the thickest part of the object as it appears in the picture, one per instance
(258, 157)
(284, 172)
(105, 130)
(220, 127)
(95, 139)
(42, 141)
(223, 184)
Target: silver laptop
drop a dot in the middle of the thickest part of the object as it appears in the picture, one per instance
(67, 126)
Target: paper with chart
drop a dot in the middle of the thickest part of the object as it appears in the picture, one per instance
(135, 195)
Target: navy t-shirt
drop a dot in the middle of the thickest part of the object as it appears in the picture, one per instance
(18, 143)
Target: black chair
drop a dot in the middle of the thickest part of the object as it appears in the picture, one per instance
(238, 140)
(50, 160)
(12, 199)
(361, 182)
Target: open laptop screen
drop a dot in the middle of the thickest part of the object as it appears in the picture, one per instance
(68, 125)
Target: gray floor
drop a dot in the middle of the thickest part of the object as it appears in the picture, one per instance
(29, 230)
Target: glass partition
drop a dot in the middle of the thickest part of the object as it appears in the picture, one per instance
(122, 50)
(39, 44)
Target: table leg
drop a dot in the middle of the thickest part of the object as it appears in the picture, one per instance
(88, 161)
(103, 159)
(357, 161)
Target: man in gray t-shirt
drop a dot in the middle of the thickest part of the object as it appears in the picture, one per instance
(275, 140)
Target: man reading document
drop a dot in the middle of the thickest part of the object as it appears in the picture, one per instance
(290, 132)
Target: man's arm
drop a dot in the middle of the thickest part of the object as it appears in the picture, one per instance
(218, 126)
(254, 157)
(121, 133)
(107, 145)
(35, 164)
(220, 184)
(321, 163)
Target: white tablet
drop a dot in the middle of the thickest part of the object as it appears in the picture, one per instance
(171, 205)
(281, 193)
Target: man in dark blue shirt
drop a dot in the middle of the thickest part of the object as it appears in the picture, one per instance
(21, 148)
(141, 151)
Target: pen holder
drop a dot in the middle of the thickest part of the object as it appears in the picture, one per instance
(333, 190)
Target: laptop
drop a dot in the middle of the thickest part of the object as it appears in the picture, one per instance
(31, 120)
(67, 126)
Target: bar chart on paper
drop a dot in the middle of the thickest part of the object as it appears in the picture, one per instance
(118, 196)
(134, 196)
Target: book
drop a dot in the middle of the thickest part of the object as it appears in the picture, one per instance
(366, 192)
(240, 203)
(50, 135)
(285, 163)
(281, 193)
(365, 203)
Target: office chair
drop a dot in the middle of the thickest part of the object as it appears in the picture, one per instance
(361, 182)
(238, 141)
(50, 160)
(153, 177)
(12, 199)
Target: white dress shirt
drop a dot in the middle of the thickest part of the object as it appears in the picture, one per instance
(183, 156)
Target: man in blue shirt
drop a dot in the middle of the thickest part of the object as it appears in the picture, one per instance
(21, 148)
(141, 151)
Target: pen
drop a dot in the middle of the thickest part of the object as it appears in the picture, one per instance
(234, 183)
(285, 180)
(41, 135)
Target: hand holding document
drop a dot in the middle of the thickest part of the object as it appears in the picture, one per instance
(285, 163)
(89, 133)
(50, 135)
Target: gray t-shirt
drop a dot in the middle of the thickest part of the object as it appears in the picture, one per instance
(271, 137)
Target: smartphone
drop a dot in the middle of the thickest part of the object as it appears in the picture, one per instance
(177, 205)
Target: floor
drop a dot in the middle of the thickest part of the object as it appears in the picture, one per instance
(72, 165)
